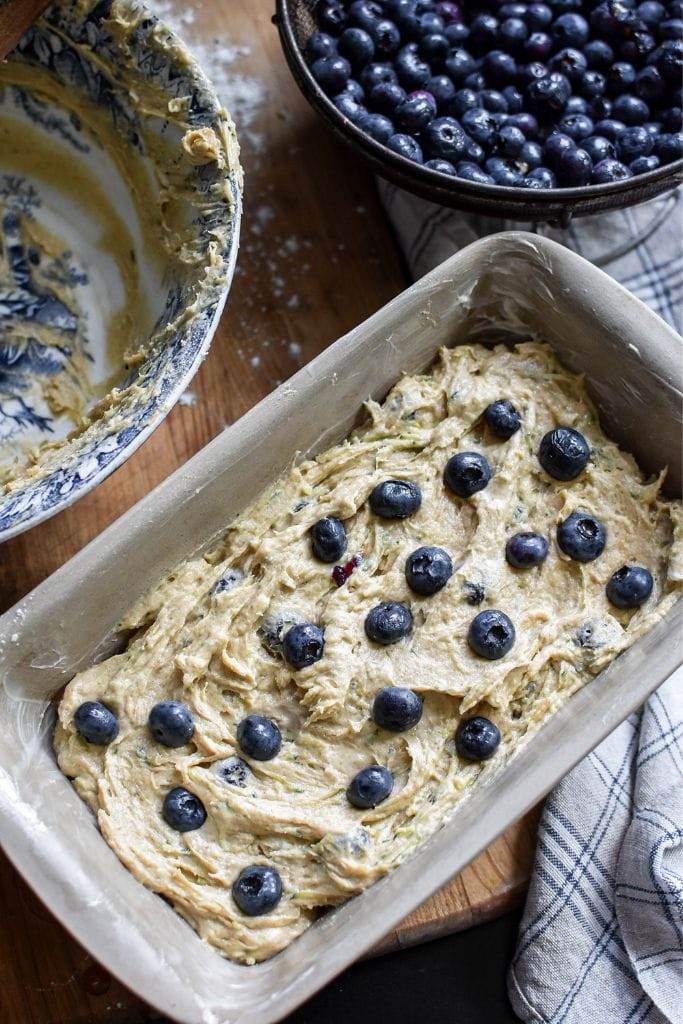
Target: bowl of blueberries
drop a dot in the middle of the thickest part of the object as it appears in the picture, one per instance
(536, 110)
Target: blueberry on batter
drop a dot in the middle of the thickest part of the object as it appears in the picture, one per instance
(259, 737)
(491, 634)
(564, 453)
(388, 622)
(629, 587)
(257, 889)
(182, 810)
(466, 473)
(395, 499)
(525, 550)
(582, 537)
(396, 708)
(428, 570)
(477, 739)
(502, 419)
(370, 787)
(328, 539)
(171, 723)
(303, 645)
(96, 723)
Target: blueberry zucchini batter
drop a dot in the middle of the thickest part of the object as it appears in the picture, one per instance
(298, 709)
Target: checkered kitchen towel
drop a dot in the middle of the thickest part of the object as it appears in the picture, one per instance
(601, 941)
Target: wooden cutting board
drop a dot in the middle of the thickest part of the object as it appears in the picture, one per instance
(316, 258)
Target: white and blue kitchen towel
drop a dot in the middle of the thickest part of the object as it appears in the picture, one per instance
(601, 939)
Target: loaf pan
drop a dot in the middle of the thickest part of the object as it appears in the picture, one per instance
(506, 286)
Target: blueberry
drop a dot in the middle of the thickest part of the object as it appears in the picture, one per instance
(669, 147)
(529, 73)
(599, 55)
(442, 89)
(96, 723)
(500, 67)
(475, 81)
(459, 64)
(259, 737)
(563, 453)
(472, 172)
(357, 46)
(373, 74)
(484, 31)
(649, 84)
(396, 708)
(491, 634)
(303, 645)
(493, 101)
(444, 138)
(544, 175)
(592, 84)
(386, 96)
(538, 16)
(331, 73)
(332, 18)
(512, 10)
(599, 108)
(477, 739)
(328, 539)
(365, 13)
(548, 96)
(474, 152)
(526, 123)
(442, 166)
(599, 148)
(502, 418)
(668, 59)
(319, 44)
(349, 107)
(412, 71)
(370, 787)
(609, 128)
(429, 23)
(638, 47)
(557, 144)
(672, 119)
(479, 125)
(233, 771)
(672, 28)
(395, 499)
(434, 48)
(629, 587)
(643, 164)
(531, 155)
(457, 33)
(574, 168)
(466, 473)
(609, 170)
(630, 109)
(474, 592)
(571, 63)
(576, 126)
(532, 183)
(571, 30)
(388, 622)
(525, 550)
(428, 570)
(257, 889)
(464, 100)
(385, 36)
(633, 142)
(581, 536)
(513, 33)
(513, 98)
(182, 810)
(377, 126)
(651, 12)
(231, 578)
(414, 113)
(355, 90)
(449, 12)
(171, 723)
(620, 78)
(406, 146)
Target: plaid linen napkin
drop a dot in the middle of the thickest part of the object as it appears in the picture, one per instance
(601, 940)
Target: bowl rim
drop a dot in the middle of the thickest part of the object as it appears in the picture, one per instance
(424, 177)
(154, 414)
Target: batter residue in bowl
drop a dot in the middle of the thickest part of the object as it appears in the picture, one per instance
(211, 636)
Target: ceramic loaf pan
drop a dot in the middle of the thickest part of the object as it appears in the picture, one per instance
(507, 285)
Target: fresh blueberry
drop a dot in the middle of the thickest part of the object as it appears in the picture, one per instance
(365, 13)
(259, 737)
(449, 12)
(571, 63)
(349, 107)
(233, 771)
(557, 144)
(319, 44)
(442, 89)
(577, 126)
(529, 73)
(513, 34)
(630, 109)
(386, 96)
(571, 30)
(472, 172)
(669, 147)
(477, 739)
(493, 101)
(599, 108)
(406, 146)
(651, 12)
(512, 10)
(513, 98)
(538, 16)
(428, 570)
(638, 47)
(576, 105)
(377, 126)
(386, 37)
(171, 723)
(544, 175)
(581, 536)
(331, 73)
(548, 96)
(649, 84)
(466, 473)
(643, 164)
(633, 142)
(484, 32)
(355, 90)
(574, 168)
(96, 723)
(525, 550)
(442, 166)
(415, 113)
(609, 170)
(396, 708)
(459, 64)
(412, 71)
(531, 155)
(434, 48)
(388, 622)
(672, 28)
(629, 587)
(444, 138)
(599, 55)
(475, 81)
(464, 100)
(474, 152)
(609, 128)
(303, 645)
(357, 46)
(620, 78)
(395, 499)
(457, 33)
(599, 148)
(563, 453)
(526, 123)
(257, 889)
(502, 418)
(370, 787)
(182, 810)
(429, 23)
(328, 539)
(500, 67)
(332, 18)
(672, 119)
(491, 634)
(479, 125)
(373, 74)
(592, 84)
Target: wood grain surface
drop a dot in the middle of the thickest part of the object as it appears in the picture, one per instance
(316, 258)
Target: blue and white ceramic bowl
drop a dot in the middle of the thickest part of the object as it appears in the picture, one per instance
(120, 201)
